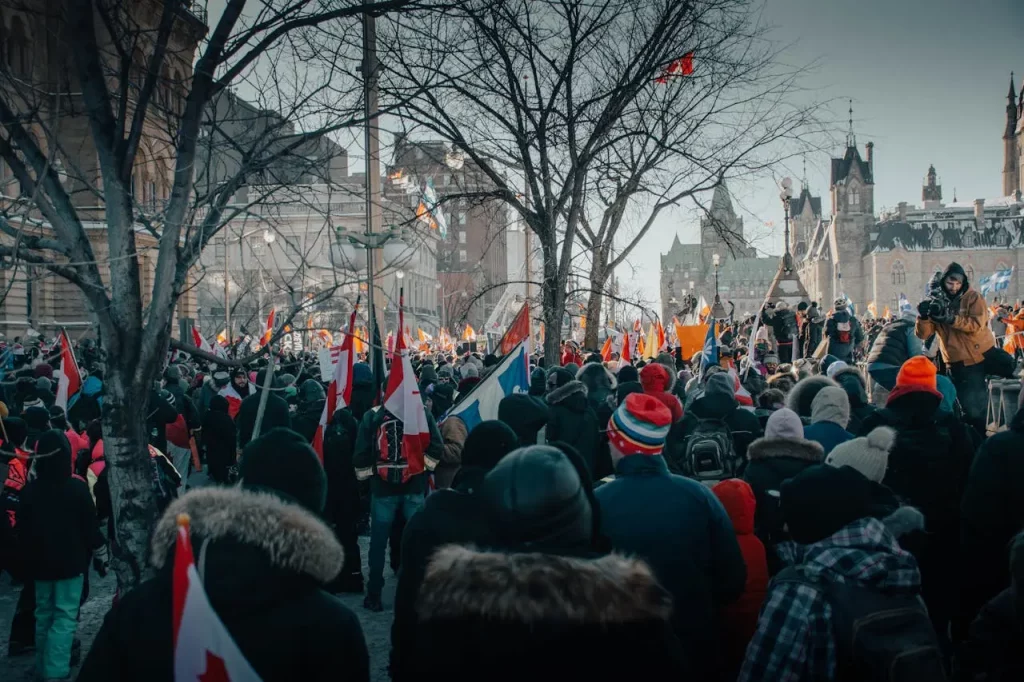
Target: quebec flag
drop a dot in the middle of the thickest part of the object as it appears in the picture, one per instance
(709, 354)
(511, 375)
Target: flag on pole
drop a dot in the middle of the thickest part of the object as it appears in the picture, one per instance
(997, 281)
(661, 335)
(339, 391)
(402, 399)
(886, 313)
(625, 356)
(204, 650)
(709, 355)
(468, 334)
(751, 346)
(517, 332)
(606, 349)
(70, 377)
(222, 338)
(510, 375)
(268, 328)
(873, 309)
(199, 342)
(652, 345)
(641, 349)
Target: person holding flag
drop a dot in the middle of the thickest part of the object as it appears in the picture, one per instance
(397, 446)
(255, 609)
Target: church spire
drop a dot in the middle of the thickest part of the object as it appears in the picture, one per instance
(1011, 112)
(851, 139)
(803, 178)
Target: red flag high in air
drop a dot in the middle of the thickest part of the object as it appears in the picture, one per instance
(70, 377)
(268, 330)
(677, 67)
(339, 392)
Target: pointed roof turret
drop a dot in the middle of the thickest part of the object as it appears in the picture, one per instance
(721, 200)
(1012, 111)
(851, 138)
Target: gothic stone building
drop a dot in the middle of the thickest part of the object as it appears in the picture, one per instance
(688, 269)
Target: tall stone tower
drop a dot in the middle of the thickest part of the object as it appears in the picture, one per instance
(721, 231)
(852, 190)
(1011, 155)
(931, 190)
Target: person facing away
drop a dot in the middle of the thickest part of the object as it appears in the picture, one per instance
(830, 413)
(264, 557)
(844, 332)
(673, 523)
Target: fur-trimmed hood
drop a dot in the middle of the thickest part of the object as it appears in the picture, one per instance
(564, 392)
(768, 448)
(463, 582)
(291, 538)
(852, 381)
(802, 394)
(596, 376)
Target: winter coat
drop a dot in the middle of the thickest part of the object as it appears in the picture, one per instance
(843, 351)
(342, 507)
(794, 639)
(852, 381)
(743, 423)
(967, 338)
(601, 386)
(895, 344)
(88, 407)
(783, 324)
(219, 439)
(992, 512)
(306, 419)
(161, 413)
(513, 617)
(453, 435)
(455, 516)
(738, 621)
(800, 397)
(526, 414)
(263, 562)
(811, 331)
(992, 651)
(275, 414)
(827, 434)
(573, 421)
(681, 530)
(206, 393)
(57, 526)
(367, 455)
(772, 462)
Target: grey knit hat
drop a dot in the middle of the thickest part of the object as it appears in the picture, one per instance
(869, 456)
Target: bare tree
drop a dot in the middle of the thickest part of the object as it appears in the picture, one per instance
(102, 135)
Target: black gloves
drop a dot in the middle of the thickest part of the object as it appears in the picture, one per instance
(922, 308)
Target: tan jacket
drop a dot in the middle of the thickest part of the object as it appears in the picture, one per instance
(968, 337)
(453, 432)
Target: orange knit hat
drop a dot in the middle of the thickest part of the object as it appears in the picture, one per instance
(915, 376)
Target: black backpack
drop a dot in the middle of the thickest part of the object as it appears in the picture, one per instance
(879, 637)
(710, 453)
(392, 462)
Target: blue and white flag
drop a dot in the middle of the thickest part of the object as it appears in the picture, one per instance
(511, 375)
(997, 281)
(904, 303)
(709, 354)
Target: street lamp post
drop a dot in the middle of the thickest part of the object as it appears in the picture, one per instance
(717, 309)
(786, 194)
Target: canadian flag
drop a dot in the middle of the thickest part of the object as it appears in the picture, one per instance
(268, 329)
(402, 399)
(339, 392)
(234, 398)
(625, 357)
(70, 377)
(203, 648)
(200, 342)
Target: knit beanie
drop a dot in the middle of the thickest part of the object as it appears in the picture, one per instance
(283, 462)
(917, 375)
(16, 430)
(627, 373)
(469, 371)
(655, 378)
(624, 389)
(640, 425)
(43, 370)
(831, 404)
(821, 500)
(784, 423)
(558, 377)
(869, 456)
(221, 379)
(487, 443)
(834, 368)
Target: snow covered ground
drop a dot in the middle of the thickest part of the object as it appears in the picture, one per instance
(376, 626)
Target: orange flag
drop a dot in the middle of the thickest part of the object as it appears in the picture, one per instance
(606, 349)
(640, 346)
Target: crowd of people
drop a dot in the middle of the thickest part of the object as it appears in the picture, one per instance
(787, 509)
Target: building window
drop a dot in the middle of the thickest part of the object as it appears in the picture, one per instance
(462, 255)
(1002, 239)
(462, 236)
(899, 273)
(218, 251)
(937, 242)
(969, 270)
(853, 197)
(969, 239)
(462, 218)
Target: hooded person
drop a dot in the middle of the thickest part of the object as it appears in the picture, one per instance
(841, 555)
(37, 421)
(470, 378)
(306, 419)
(276, 414)
(851, 380)
(958, 315)
(801, 396)
(219, 440)
(627, 373)
(601, 386)
(453, 433)
(830, 413)
(844, 332)
(525, 413)
(701, 566)
(452, 516)
(738, 621)
(538, 382)
(719, 405)
(571, 418)
(780, 455)
(213, 384)
(265, 556)
(539, 604)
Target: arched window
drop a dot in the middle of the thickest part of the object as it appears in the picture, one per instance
(18, 50)
(937, 241)
(969, 270)
(969, 239)
(899, 273)
(853, 197)
(1002, 239)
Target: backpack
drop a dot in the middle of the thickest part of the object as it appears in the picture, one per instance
(879, 637)
(710, 454)
(844, 331)
(392, 463)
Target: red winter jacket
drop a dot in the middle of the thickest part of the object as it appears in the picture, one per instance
(738, 621)
(657, 381)
(568, 355)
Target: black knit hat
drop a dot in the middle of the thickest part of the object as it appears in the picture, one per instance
(487, 443)
(283, 462)
(54, 455)
(627, 373)
(16, 430)
(817, 502)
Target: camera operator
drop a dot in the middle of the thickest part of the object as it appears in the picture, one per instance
(958, 315)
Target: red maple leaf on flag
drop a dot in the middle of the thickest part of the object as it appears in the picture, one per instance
(677, 67)
(215, 669)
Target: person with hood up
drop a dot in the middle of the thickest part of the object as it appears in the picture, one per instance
(306, 419)
(540, 603)
(219, 440)
(57, 531)
(830, 413)
(265, 557)
(601, 386)
(470, 378)
(719, 403)
(851, 380)
(538, 382)
(780, 455)
(928, 468)
(526, 413)
(801, 396)
(277, 413)
(811, 329)
(840, 552)
(213, 384)
(453, 434)
(844, 331)
(237, 390)
(959, 316)
(571, 419)
(657, 381)
(674, 524)
(453, 516)
(738, 621)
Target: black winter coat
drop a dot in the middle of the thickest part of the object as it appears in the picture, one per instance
(895, 344)
(219, 438)
(342, 506)
(852, 381)
(573, 421)
(263, 564)
(992, 651)
(276, 414)
(743, 423)
(525, 414)
(514, 617)
(307, 418)
(843, 351)
(161, 413)
(773, 461)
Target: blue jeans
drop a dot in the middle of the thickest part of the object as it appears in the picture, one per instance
(382, 514)
(56, 622)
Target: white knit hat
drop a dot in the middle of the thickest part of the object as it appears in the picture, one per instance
(869, 456)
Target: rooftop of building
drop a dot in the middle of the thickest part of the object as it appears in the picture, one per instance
(851, 159)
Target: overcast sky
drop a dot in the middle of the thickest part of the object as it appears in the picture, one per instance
(928, 79)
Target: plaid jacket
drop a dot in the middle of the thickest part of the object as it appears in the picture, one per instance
(794, 639)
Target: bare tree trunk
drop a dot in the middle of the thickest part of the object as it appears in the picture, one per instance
(129, 472)
(598, 278)
(553, 298)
